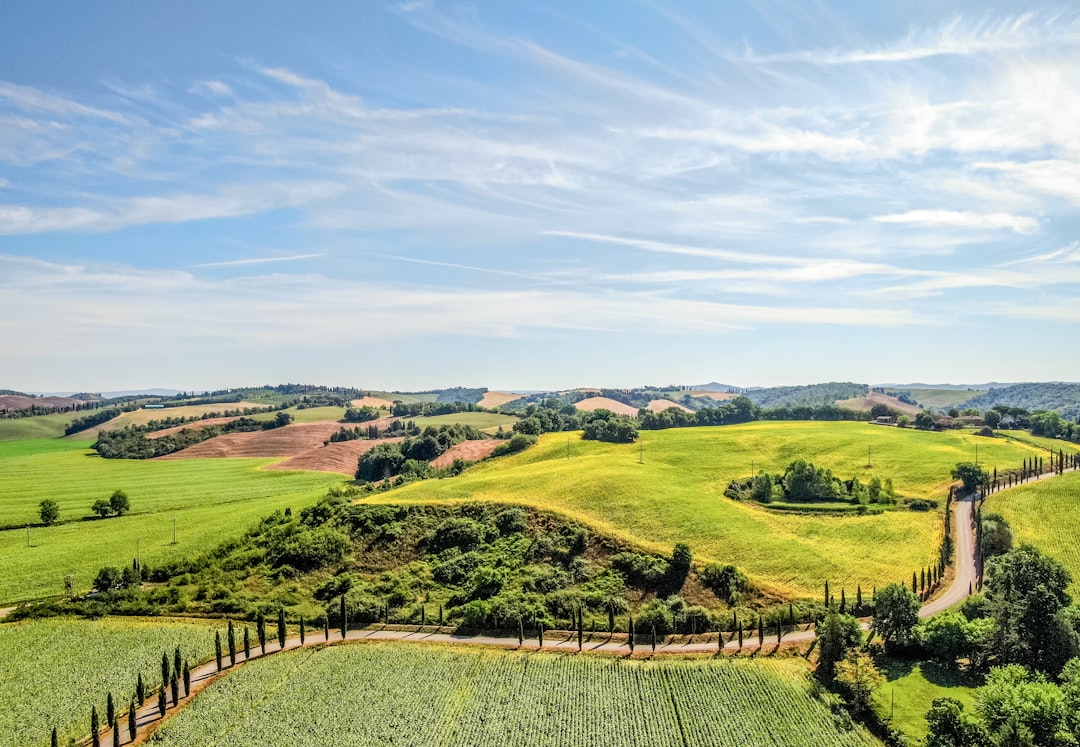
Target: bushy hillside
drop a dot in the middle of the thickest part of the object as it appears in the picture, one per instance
(1061, 396)
(812, 394)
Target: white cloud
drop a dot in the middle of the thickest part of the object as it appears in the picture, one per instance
(961, 219)
(33, 99)
(259, 260)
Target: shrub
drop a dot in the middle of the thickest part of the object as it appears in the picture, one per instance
(309, 549)
(654, 614)
(458, 532)
(725, 581)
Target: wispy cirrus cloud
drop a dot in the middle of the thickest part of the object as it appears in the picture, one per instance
(962, 219)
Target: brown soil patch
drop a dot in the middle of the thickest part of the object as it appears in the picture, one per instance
(877, 398)
(336, 457)
(289, 441)
(377, 402)
(659, 405)
(470, 451)
(715, 396)
(18, 402)
(591, 404)
(498, 399)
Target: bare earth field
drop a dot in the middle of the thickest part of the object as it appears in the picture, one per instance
(292, 440)
(470, 451)
(591, 404)
(18, 402)
(659, 405)
(337, 457)
(877, 398)
(498, 399)
(377, 402)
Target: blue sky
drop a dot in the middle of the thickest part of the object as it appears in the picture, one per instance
(538, 195)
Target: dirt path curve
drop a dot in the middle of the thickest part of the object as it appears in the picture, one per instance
(149, 718)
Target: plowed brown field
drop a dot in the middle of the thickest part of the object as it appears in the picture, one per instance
(498, 399)
(336, 457)
(291, 440)
(659, 405)
(595, 403)
(470, 451)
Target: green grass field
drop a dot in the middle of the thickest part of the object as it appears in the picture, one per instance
(209, 499)
(380, 694)
(677, 495)
(53, 671)
(1044, 445)
(1043, 513)
(940, 398)
(478, 420)
(39, 426)
(910, 690)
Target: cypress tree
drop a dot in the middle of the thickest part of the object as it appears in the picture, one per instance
(914, 583)
(260, 628)
(174, 685)
(761, 630)
(858, 597)
(187, 679)
(95, 727)
(826, 593)
(140, 690)
(791, 614)
(540, 635)
(301, 630)
(133, 724)
(922, 580)
(55, 739)
(440, 616)
(521, 631)
(611, 619)
(115, 734)
(232, 644)
(344, 621)
(217, 648)
(164, 669)
(843, 601)
(654, 639)
(162, 704)
(423, 615)
(177, 662)
(326, 627)
(281, 628)
(110, 709)
(247, 643)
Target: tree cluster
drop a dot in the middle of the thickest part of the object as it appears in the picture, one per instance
(133, 442)
(802, 482)
(412, 455)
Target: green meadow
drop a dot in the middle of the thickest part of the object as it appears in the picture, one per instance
(910, 690)
(210, 499)
(1043, 513)
(39, 426)
(676, 495)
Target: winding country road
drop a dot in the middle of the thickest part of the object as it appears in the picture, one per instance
(148, 717)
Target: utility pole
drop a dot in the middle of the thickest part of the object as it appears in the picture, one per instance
(28, 535)
(868, 455)
(174, 530)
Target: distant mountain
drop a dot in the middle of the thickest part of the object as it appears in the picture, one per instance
(715, 386)
(1056, 395)
(954, 387)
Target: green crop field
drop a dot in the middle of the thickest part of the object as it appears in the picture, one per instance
(39, 426)
(677, 495)
(209, 499)
(478, 420)
(910, 689)
(380, 693)
(53, 671)
(310, 414)
(1044, 445)
(1044, 514)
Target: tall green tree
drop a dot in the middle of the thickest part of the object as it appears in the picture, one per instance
(836, 635)
(949, 726)
(49, 511)
(896, 613)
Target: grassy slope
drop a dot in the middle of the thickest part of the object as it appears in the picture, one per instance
(54, 670)
(209, 499)
(912, 687)
(940, 398)
(1043, 513)
(677, 495)
(487, 697)
(39, 426)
